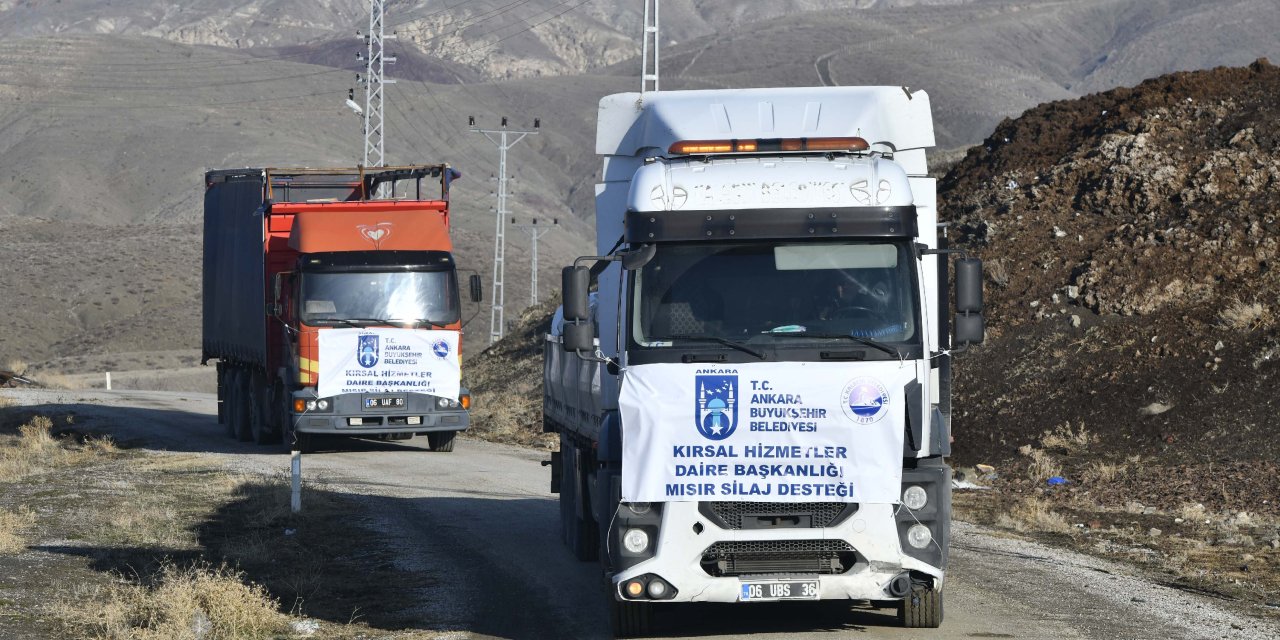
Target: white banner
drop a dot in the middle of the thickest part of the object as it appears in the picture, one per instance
(764, 432)
(389, 361)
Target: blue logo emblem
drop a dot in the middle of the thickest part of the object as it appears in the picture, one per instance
(864, 400)
(440, 348)
(717, 408)
(367, 351)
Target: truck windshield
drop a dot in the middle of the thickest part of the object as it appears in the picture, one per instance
(369, 297)
(766, 292)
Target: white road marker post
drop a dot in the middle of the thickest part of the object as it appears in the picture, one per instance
(108, 381)
(295, 498)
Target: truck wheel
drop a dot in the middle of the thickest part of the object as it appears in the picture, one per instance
(259, 413)
(441, 441)
(229, 403)
(630, 619)
(238, 411)
(580, 534)
(244, 407)
(921, 610)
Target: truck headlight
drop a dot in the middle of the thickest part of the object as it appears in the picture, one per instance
(635, 541)
(639, 508)
(915, 497)
(446, 403)
(919, 536)
(322, 404)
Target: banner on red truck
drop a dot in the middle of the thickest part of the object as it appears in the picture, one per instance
(775, 432)
(389, 361)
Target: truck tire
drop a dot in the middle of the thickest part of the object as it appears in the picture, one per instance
(238, 406)
(259, 411)
(580, 534)
(441, 441)
(228, 420)
(921, 610)
(244, 407)
(630, 619)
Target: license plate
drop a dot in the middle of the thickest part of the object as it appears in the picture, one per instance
(383, 403)
(788, 590)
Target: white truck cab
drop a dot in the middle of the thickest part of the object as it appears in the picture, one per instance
(755, 404)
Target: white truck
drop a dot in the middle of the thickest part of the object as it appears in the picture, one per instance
(751, 382)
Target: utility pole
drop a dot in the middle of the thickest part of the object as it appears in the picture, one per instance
(373, 80)
(535, 232)
(650, 30)
(504, 138)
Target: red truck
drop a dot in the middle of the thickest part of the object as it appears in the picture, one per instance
(331, 304)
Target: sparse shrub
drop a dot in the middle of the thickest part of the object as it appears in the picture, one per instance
(1064, 438)
(1103, 473)
(176, 603)
(1042, 466)
(17, 366)
(1246, 316)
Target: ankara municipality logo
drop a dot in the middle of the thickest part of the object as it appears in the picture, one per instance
(717, 405)
(864, 400)
(440, 348)
(367, 351)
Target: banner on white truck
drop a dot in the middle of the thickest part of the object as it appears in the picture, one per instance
(389, 361)
(763, 432)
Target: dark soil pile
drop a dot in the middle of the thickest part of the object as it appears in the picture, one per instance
(505, 381)
(1131, 246)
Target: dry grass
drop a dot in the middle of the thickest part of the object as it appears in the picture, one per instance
(1033, 515)
(13, 529)
(1043, 466)
(1099, 473)
(1068, 440)
(1246, 316)
(36, 449)
(176, 603)
(16, 365)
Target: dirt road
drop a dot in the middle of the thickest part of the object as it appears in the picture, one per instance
(481, 522)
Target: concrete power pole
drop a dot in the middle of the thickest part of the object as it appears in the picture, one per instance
(373, 80)
(535, 232)
(651, 23)
(504, 139)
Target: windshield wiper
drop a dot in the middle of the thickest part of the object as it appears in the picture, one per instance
(874, 344)
(724, 341)
(365, 322)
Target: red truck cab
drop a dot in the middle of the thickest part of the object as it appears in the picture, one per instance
(291, 254)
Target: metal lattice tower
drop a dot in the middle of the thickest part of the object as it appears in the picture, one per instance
(504, 139)
(534, 232)
(374, 80)
(651, 23)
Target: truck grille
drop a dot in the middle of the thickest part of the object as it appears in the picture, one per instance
(738, 558)
(767, 515)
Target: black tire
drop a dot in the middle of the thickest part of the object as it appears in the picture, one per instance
(260, 429)
(630, 619)
(581, 534)
(244, 407)
(229, 402)
(921, 610)
(441, 441)
(300, 442)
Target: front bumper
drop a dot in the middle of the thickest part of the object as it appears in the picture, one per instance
(872, 533)
(349, 408)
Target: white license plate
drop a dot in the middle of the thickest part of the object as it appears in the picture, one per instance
(780, 590)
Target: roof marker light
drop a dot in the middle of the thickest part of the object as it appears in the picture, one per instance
(707, 147)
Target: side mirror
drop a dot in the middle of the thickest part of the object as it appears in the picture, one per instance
(579, 332)
(575, 282)
(477, 288)
(970, 326)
